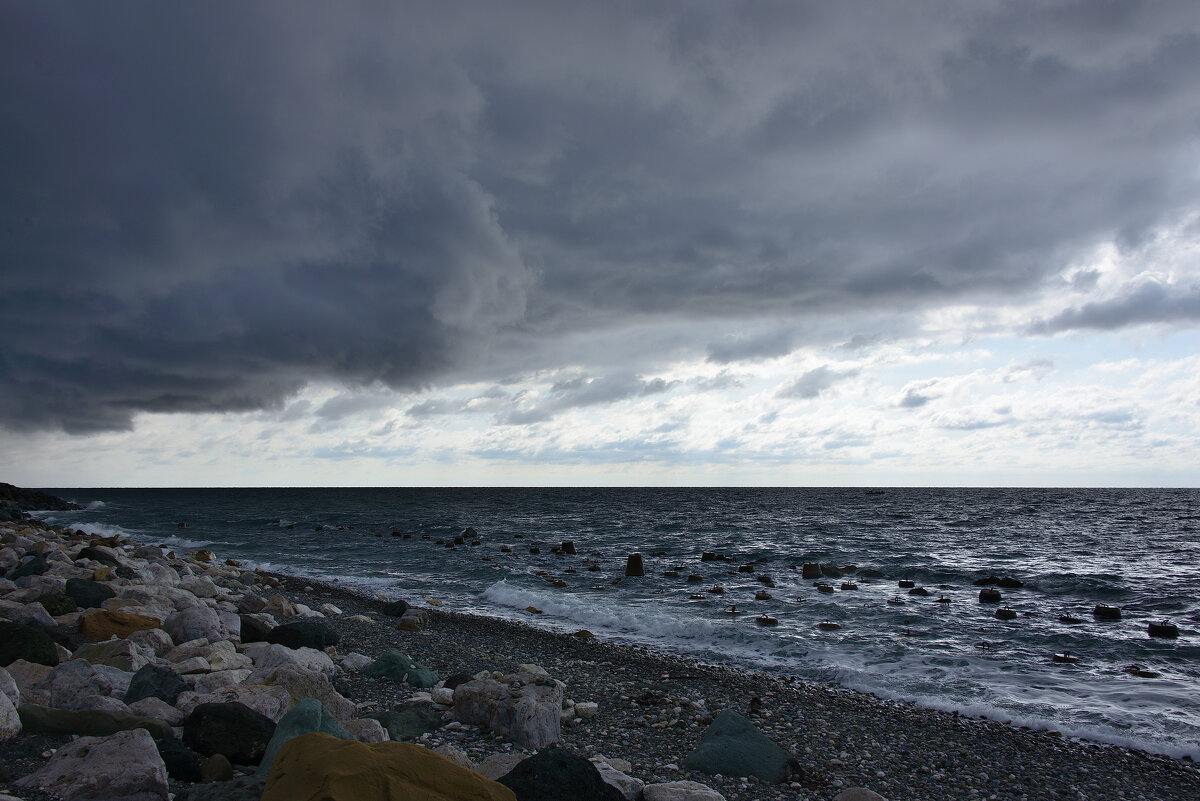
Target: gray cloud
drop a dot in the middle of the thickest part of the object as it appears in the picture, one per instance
(583, 391)
(1145, 303)
(205, 209)
(814, 382)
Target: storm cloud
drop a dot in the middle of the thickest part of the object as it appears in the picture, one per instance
(208, 207)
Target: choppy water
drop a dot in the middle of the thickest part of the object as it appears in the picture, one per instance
(1136, 549)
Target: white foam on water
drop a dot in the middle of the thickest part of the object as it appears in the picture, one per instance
(96, 505)
(104, 530)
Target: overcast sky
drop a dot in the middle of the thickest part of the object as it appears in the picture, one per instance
(376, 243)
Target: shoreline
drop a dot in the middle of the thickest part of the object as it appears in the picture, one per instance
(653, 706)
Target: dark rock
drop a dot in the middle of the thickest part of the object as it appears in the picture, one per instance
(399, 667)
(568, 547)
(253, 629)
(232, 729)
(98, 555)
(989, 595)
(307, 633)
(395, 608)
(88, 594)
(732, 746)
(746, 568)
(28, 500)
(31, 566)
(89, 722)
(458, 678)
(554, 774)
(829, 571)
(31, 643)
(870, 573)
(410, 721)
(986, 581)
(708, 556)
(918, 591)
(634, 566)
(1106, 612)
(902, 583)
(1009, 582)
(183, 764)
(811, 570)
(154, 681)
(57, 603)
(216, 769)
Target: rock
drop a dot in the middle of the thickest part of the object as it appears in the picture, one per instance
(193, 623)
(241, 788)
(157, 682)
(553, 774)
(303, 634)
(250, 603)
(634, 565)
(10, 721)
(30, 643)
(271, 702)
(115, 653)
(587, 709)
(395, 608)
(9, 687)
(32, 566)
(830, 571)
(443, 696)
(274, 655)
(410, 721)
(234, 730)
(216, 769)
(680, 791)
(75, 681)
(279, 606)
(158, 708)
(124, 765)
(497, 765)
(154, 640)
(95, 723)
(858, 794)
(306, 716)
(317, 766)
(218, 680)
(30, 679)
(329, 610)
(732, 746)
(455, 755)
(255, 628)
(568, 547)
(811, 570)
(529, 717)
(630, 788)
(182, 763)
(367, 730)
(399, 667)
(355, 661)
(57, 603)
(102, 624)
(870, 573)
(302, 683)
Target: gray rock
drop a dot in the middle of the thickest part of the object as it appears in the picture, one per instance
(410, 721)
(524, 708)
(91, 722)
(124, 765)
(680, 791)
(858, 794)
(399, 667)
(193, 623)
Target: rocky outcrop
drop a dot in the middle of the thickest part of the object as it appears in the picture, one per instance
(124, 765)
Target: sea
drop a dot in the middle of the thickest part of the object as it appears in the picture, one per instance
(496, 551)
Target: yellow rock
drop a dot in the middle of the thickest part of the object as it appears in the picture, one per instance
(321, 767)
(204, 555)
(102, 574)
(101, 624)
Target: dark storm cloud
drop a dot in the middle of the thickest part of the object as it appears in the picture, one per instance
(1149, 302)
(206, 207)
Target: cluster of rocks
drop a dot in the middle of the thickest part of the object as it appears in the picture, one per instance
(182, 673)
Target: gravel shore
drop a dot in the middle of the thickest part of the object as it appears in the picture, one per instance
(654, 707)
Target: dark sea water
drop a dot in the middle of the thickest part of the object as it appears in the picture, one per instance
(1135, 549)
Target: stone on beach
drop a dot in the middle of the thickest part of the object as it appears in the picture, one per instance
(858, 794)
(626, 785)
(10, 720)
(115, 653)
(124, 765)
(400, 667)
(305, 633)
(317, 766)
(680, 791)
(732, 746)
(306, 716)
(182, 763)
(193, 623)
(524, 708)
(233, 729)
(553, 774)
(634, 566)
(101, 624)
(410, 721)
(18, 641)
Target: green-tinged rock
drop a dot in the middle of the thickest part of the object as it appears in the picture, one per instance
(31, 643)
(399, 667)
(732, 746)
(91, 722)
(115, 653)
(410, 721)
(319, 767)
(307, 716)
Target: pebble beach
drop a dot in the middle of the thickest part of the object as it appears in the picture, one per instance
(650, 708)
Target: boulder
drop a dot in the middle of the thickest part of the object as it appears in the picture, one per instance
(732, 746)
(306, 716)
(525, 709)
(367, 730)
(10, 721)
(811, 570)
(271, 702)
(182, 763)
(9, 687)
(116, 653)
(218, 680)
(278, 606)
(30, 678)
(92, 722)
(400, 667)
(251, 603)
(217, 769)
(256, 627)
(193, 623)
(301, 683)
(307, 633)
(634, 565)
(32, 566)
(409, 722)
(355, 661)
(75, 681)
(318, 766)
(553, 774)
(124, 765)
(30, 643)
(155, 681)
(830, 571)
(30, 614)
(629, 787)
(157, 708)
(395, 608)
(156, 641)
(103, 624)
(680, 791)
(273, 655)
(57, 603)
(232, 729)
(499, 764)
(858, 794)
